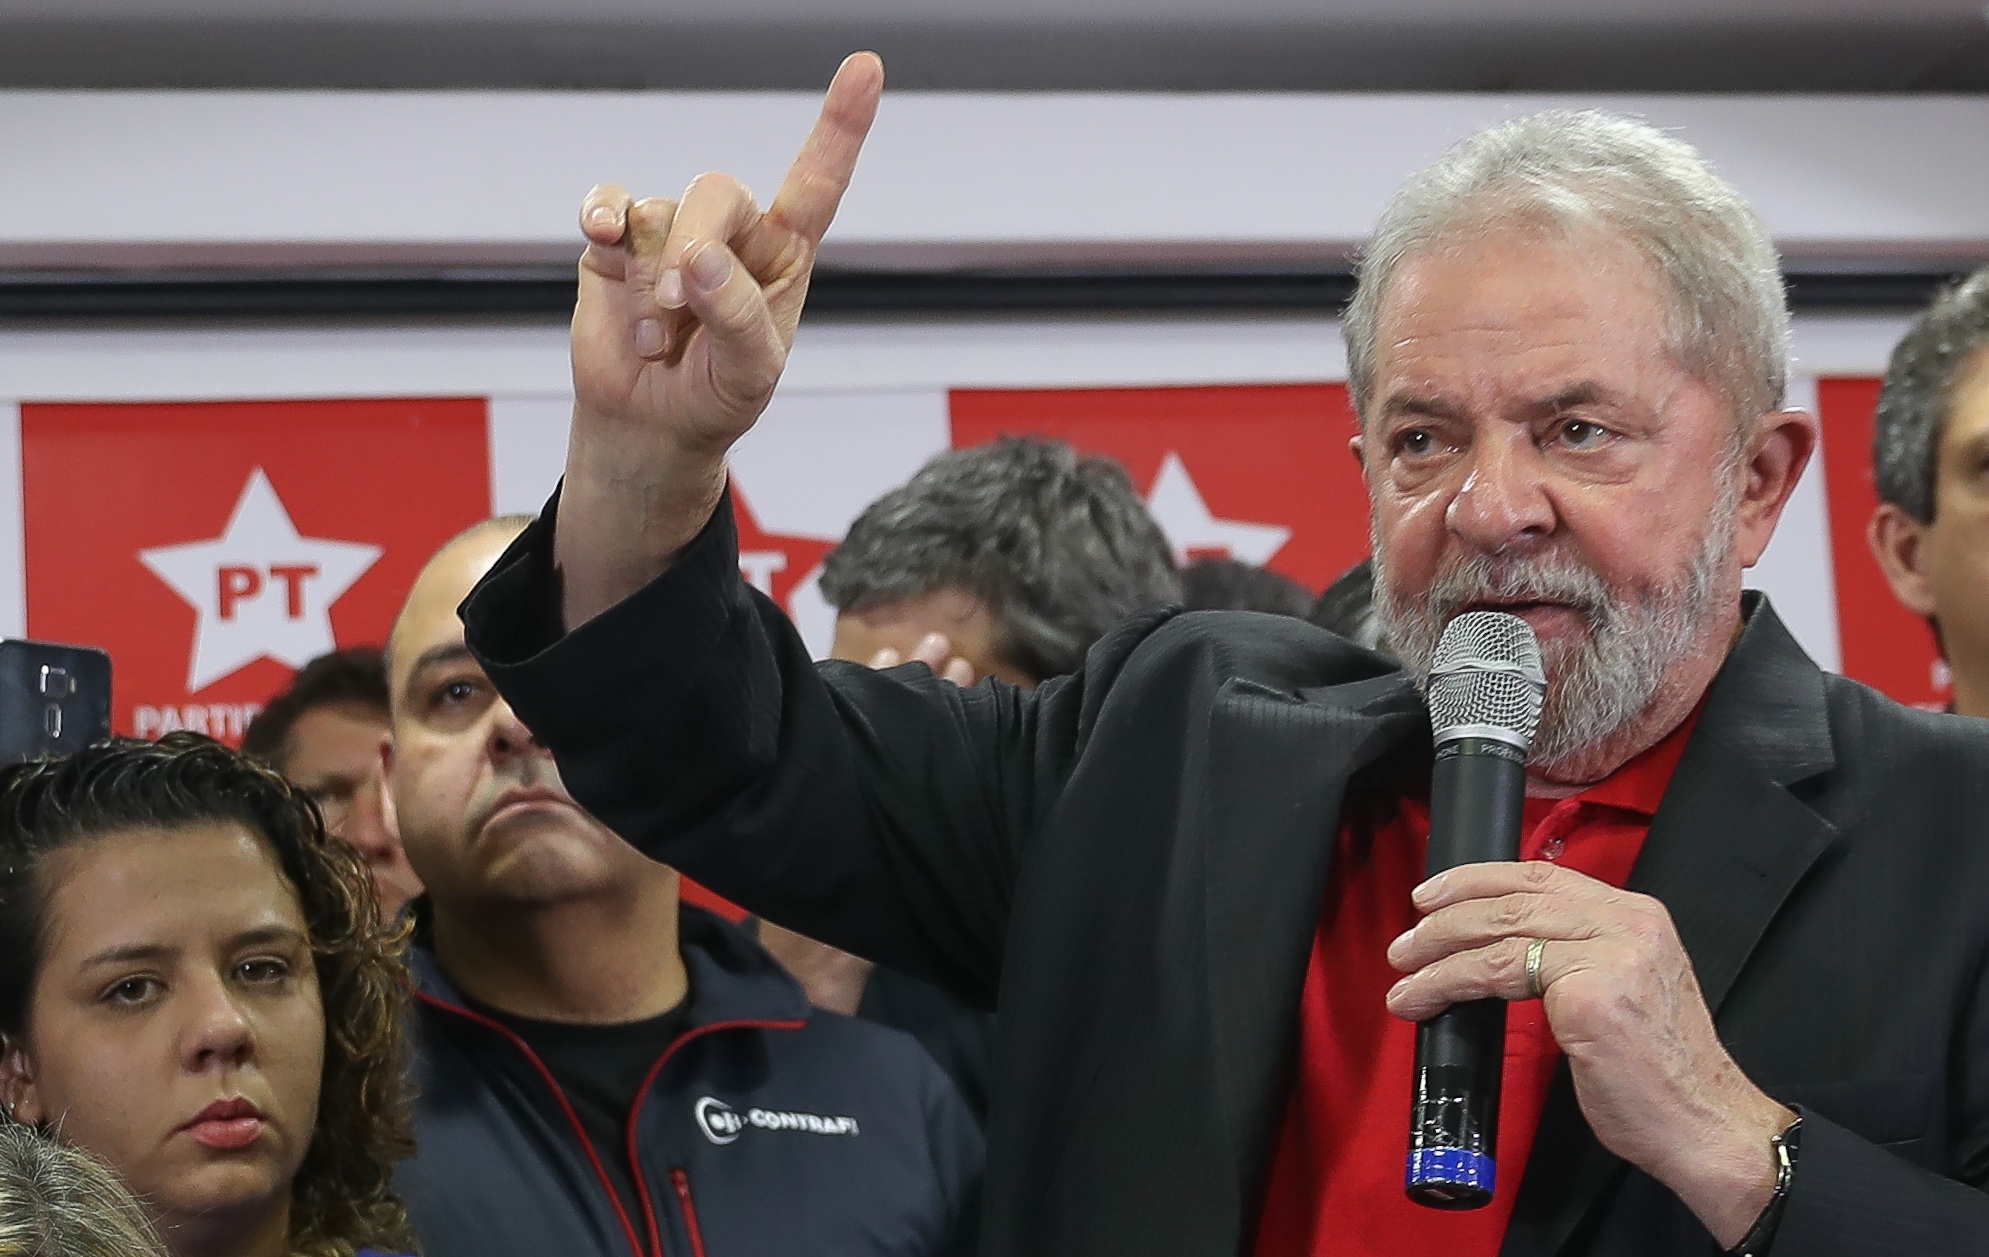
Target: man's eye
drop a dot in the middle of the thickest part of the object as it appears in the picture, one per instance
(1580, 433)
(453, 692)
(1415, 442)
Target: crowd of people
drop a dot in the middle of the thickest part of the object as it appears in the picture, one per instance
(1088, 912)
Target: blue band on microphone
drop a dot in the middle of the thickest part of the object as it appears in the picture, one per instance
(1455, 1167)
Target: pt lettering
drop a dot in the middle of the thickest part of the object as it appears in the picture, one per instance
(236, 585)
(293, 575)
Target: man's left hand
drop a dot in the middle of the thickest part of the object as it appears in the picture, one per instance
(935, 652)
(1654, 1081)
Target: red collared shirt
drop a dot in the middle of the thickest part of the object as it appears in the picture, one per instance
(1336, 1178)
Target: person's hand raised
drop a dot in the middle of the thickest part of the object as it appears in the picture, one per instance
(687, 308)
(686, 313)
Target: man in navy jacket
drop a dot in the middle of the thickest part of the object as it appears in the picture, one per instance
(603, 1071)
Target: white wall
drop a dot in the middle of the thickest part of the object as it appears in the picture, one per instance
(358, 178)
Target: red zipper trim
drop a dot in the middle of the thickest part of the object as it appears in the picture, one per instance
(682, 1182)
(635, 1111)
(579, 1131)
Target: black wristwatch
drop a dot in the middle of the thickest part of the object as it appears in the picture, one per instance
(1761, 1235)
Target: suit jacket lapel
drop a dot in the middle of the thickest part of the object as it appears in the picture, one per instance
(1725, 850)
(1279, 767)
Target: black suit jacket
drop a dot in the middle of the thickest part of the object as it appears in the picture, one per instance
(1132, 862)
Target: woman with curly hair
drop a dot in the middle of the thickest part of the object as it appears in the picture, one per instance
(193, 987)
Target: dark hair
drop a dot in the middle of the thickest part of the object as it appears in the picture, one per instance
(355, 675)
(1347, 607)
(342, 1199)
(1915, 401)
(1213, 584)
(1057, 545)
(55, 1199)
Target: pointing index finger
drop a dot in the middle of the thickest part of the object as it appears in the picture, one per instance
(821, 173)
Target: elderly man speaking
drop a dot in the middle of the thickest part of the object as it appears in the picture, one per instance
(1754, 898)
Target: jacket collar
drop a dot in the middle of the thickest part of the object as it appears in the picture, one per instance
(732, 978)
(1727, 847)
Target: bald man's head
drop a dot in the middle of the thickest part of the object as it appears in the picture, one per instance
(440, 587)
(478, 802)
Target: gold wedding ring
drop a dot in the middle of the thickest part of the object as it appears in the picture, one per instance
(1533, 949)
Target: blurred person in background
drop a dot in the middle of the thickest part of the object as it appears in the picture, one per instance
(59, 1201)
(1007, 559)
(1232, 585)
(603, 1069)
(1020, 552)
(324, 734)
(195, 986)
(1347, 607)
(1930, 456)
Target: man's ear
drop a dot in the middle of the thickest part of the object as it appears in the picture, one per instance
(18, 1093)
(1783, 442)
(1896, 539)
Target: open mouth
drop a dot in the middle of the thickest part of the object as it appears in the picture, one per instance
(1518, 606)
(1537, 612)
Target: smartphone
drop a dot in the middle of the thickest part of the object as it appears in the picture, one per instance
(54, 699)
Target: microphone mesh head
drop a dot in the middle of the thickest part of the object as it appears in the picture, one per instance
(1487, 672)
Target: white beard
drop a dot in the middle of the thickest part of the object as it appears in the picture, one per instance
(1598, 685)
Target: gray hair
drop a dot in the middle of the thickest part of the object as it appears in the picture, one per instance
(56, 1199)
(1347, 607)
(1057, 546)
(1222, 584)
(1918, 395)
(1571, 172)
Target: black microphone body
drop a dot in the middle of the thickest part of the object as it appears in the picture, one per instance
(1486, 691)
(1477, 801)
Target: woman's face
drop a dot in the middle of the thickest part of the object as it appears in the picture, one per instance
(175, 1027)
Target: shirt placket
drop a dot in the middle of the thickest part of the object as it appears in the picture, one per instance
(1549, 839)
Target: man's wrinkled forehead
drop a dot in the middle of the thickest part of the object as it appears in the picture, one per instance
(1445, 306)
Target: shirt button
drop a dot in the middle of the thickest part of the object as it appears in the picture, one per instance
(1552, 848)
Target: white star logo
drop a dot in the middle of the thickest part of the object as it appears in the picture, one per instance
(259, 588)
(1194, 533)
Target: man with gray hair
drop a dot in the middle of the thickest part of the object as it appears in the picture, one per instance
(1930, 448)
(1021, 552)
(1744, 952)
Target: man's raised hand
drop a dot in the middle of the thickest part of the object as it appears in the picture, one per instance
(686, 313)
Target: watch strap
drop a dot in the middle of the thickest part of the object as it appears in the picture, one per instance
(1761, 1235)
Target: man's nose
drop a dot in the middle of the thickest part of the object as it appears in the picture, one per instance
(508, 734)
(364, 824)
(218, 1032)
(1504, 499)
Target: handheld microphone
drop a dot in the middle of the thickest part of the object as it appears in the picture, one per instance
(1486, 690)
